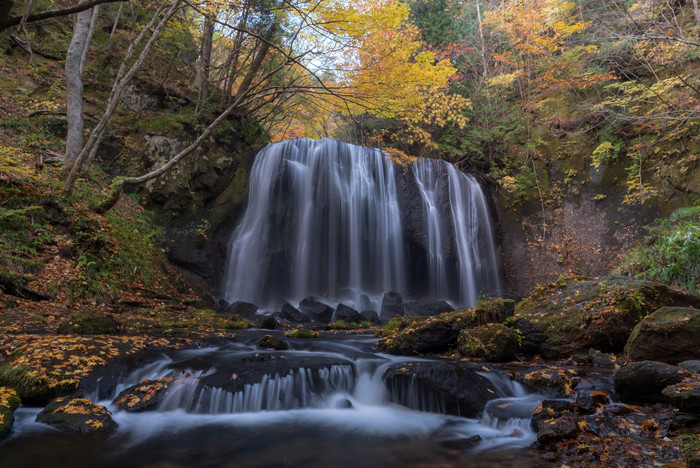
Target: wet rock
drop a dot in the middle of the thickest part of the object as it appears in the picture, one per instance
(268, 323)
(492, 342)
(392, 306)
(77, 415)
(565, 427)
(448, 387)
(272, 342)
(643, 381)
(691, 366)
(423, 335)
(144, 395)
(581, 313)
(371, 316)
(531, 337)
(427, 307)
(670, 334)
(550, 410)
(9, 402)
(317, 310)
(347, 314)
(343, 404)
(599, 359)
(587, 402)
(550, 381)
(508, 408)
(685, 395)
(244, 309)
(462, 443)
(293, 315)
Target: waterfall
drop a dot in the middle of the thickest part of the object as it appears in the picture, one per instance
(340, 221)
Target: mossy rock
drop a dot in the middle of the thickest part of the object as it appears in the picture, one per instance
(302, 333)
(272, 342)
(671, 334)
(577, 314)
(439, 333)
(77, 415)
(89, 322)
(144, 395)
(551, 381)
(644, 381)
(684, 395)
(9, 402)
(268, 323)
(492, 342)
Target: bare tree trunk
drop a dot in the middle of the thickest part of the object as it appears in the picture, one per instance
(74, 85)
(108, 49)
(15, 20)
(88, 152)
(91, 31)
(205, 62)
(253, 70)
(696, 10)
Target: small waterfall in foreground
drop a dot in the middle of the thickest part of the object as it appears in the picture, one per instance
(340, 221)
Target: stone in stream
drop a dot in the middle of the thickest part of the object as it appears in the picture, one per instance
(347, 314)
(392, 306)
(316, 309)
(244, 309)
(550, 410)
(272, 342)
(144, 395)
(643, 381)
(268, 323)
(371, 316)
(670, 334)
(565, 427)
(684, 395)
(9, 402)
(292, 314)
(77, 415)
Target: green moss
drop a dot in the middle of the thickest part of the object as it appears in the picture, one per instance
(341, 325)
(302, 333)
(492, 342)
(89, 322)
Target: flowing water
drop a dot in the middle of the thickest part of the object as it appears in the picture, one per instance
(321, 403)
(343, 223)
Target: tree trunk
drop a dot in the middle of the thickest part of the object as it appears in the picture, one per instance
(74, 85)
(696, 10)
(108, 49)
(205, 62)
(5, 7)
(254, 67)
(15, 20)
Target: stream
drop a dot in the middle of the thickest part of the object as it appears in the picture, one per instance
(323, 402)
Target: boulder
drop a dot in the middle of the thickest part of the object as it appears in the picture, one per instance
(598, 359)
(566, 427)
(272, 342)
(577, 314)
(318, 311)
(492, 342)
(427, 307)
(531, 337)
(550, 410)
(685, 395)
(9, 402)
(292, 314)
(670, 334)
(268, 323)
(77, 415)
(588, 402)
(643, 381)
(550, 381)
(371, 316)
(392, 306)
(244, 309)
(348, 314)
(144, 395)
(443, 386)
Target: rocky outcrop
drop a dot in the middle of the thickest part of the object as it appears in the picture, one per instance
(77, 415)
(577, 314)
(671, 334)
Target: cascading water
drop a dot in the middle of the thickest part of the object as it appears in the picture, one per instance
(340, 221)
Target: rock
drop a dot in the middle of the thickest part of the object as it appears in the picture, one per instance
(463, 443)
(268, 323)
(670, 334)
(587, 402)
(565, 427)
(643, 381)
(581, 313)
(371, 316)
(89, 322)
(550, 381)
(293, 315)
(599, 359)
(77, 415)
(392, 306)
(449, 387)
(685, 395)
(691, 366)
(318, 311)
(550, 409)
(272, 342)
(492, 342)
(348, 314)
(427, 307)
(144, 395)
(244, 309)
(9, 402)
(494, 310)
(531, 337)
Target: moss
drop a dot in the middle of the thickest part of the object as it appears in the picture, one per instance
(89, 322)
(492, 342)
(272, 342)
(9, 402)
(302, 333)
(342, 325)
